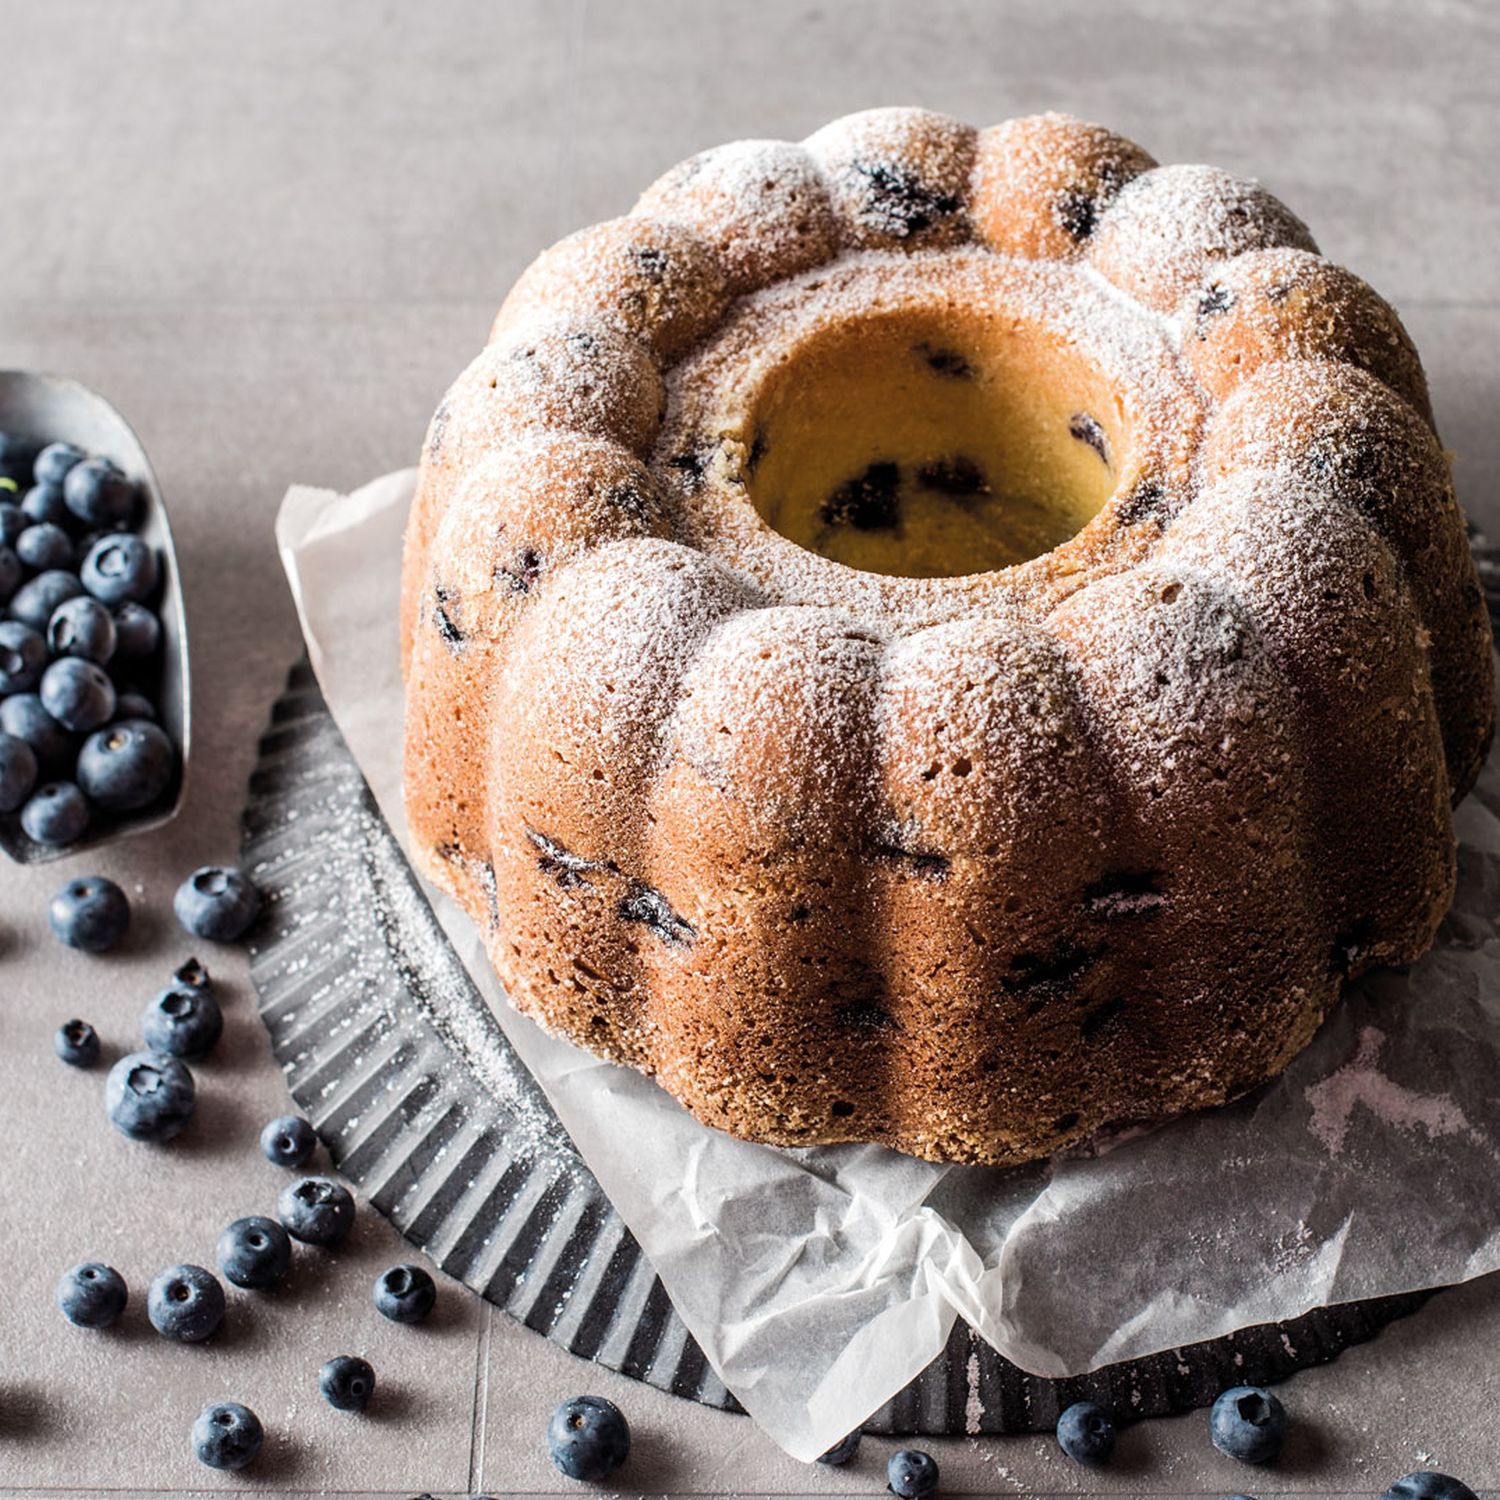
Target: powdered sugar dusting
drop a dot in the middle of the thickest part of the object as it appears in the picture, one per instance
(1166, 225)
(1360, 1084)
(762, 205)
(973, 1405)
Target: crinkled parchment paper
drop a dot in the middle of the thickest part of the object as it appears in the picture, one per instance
(820, 1281)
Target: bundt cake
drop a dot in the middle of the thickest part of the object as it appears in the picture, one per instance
(957, 639)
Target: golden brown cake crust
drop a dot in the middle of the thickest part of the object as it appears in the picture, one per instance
(972, 866)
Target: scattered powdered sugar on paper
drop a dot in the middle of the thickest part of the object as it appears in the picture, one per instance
(1361, 1083)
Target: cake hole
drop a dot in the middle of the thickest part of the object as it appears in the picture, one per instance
(842, 1108)
(933, 442)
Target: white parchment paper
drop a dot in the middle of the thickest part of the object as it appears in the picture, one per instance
(820, 1281)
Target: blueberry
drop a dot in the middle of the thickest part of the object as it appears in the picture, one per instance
(1086, 1433)
(316, 1210)
(217, 903)
(404, 1294)
(54, 461)
(91, 1295)
(23, 716)
(11, 571)
(588, 1438)
(98, 493)
(185, 1303)
(78, 694)
(182, 1022)
(77, 1043)
(126, 766)
(17, 771)
(254, 1253)
(34, 603)
(56, 814)
(288, 1141)
(13, 521)
(227, 1436)
(149, 1096)
(23, 657)
(120, 569)
(1427, 1485)
(190, 974)
(911, 1473)
(133, 705)
(45, 545)
(1248, 1423)
(842, 1451)
(347, 1382)
(82, 627)
(43, 504)
(90, 913)
(137, 632)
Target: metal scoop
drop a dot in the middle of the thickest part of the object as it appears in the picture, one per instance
(47, 409)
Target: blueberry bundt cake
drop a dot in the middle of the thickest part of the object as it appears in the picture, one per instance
(950, 638)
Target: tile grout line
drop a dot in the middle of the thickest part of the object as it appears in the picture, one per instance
(481, 1398)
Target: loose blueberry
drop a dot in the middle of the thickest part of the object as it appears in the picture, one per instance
(34, 603)
(288, 1141)
(347, 1382)
(54, 461)
(43, 504)
(149, 1096)
(185, 1303)
(911, 1474)
(588, 1438)
(182, 1022)
(78, 694)
(13, 521)
(126, 766)
(1248, 1423)
(316, 1210)
(17, 771)
(77, 1044)
(23, 716)
(120, 569)
(82, 627)
(227, 1436)
(404, 1294)
(98, 493)
(842, 1451)
(216, 903)
(1425, 1484)
(11, 571)
(254, 1253)
(90, 913)
(137, 633)
(92, 1295)
(56, 814)
(45, 545)
(23, 657)
(133, 705)
(1086, 1433)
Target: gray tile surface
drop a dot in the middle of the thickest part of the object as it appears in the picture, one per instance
(271, 232)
